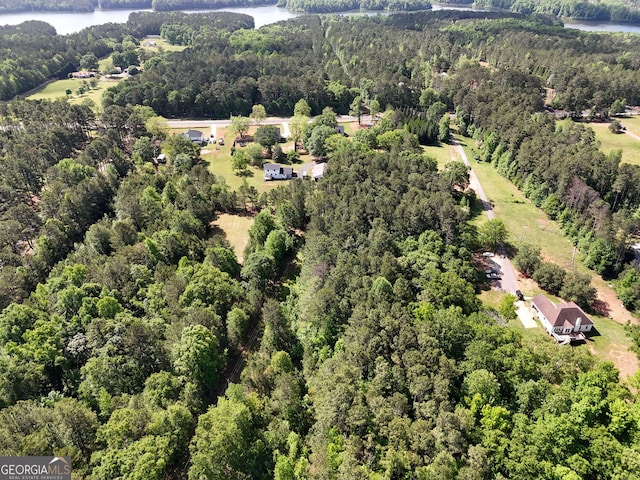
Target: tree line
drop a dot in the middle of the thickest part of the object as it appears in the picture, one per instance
(329, 6)
(620, 11)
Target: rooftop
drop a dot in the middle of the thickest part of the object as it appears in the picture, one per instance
(560, 314)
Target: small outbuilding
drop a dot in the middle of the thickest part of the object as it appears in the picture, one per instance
(315, 170)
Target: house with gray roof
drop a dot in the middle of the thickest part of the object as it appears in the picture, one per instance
(195, 136)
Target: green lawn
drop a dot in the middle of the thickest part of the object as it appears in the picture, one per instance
(632, 123)
(235, 229)
(55, 90)
(524, 221)
(615, 141)
(611, 141)
(160, 45)
(442, 153)
(219, 160)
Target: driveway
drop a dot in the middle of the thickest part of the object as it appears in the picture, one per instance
(509, 279)
(525, 314)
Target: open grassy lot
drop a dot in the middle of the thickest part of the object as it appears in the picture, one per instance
(631, 123)
(57, 89)
(629, 146)
(617, 141)
(442, 153)
(612, 344)
(159, 45)
(235, 229)
(525, 222)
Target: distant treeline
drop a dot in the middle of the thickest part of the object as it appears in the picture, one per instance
(620, 11)
(624, 11)
(7, 6)
(168, 5)
(328, 6)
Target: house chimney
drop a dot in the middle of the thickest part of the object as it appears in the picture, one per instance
(578, 322)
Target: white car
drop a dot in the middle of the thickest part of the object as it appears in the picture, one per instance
(488, 254)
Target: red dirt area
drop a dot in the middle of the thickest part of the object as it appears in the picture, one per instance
(608, 305)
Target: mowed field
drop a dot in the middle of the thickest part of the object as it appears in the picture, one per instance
(57, 89)
(627, 144)
(235, 228)
(441, 153)
(526, 223)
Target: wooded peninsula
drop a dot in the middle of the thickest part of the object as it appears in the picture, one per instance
(351, 330)
(619, 11)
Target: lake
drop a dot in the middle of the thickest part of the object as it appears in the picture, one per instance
(70, 22)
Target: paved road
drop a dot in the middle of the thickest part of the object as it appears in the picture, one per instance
(474, 183)
(509, 280)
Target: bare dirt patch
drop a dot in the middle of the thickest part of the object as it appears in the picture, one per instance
(624, 360)
(608, 302)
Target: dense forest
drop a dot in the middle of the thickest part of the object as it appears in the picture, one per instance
(624, 11)
(367, 352)
(328, 6)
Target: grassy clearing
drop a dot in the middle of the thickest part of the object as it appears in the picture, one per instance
(350, 128)
(523, 220)
(632, 123)
(611, 141)
(159, 45)
(442, 153)
(235, 229)
(57, 89)
(613, 345)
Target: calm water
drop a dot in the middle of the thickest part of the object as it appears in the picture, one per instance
(602, 26)
(66, 23)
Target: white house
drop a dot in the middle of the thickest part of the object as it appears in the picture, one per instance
(562, 321)
(275, 171)
(194, 135)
